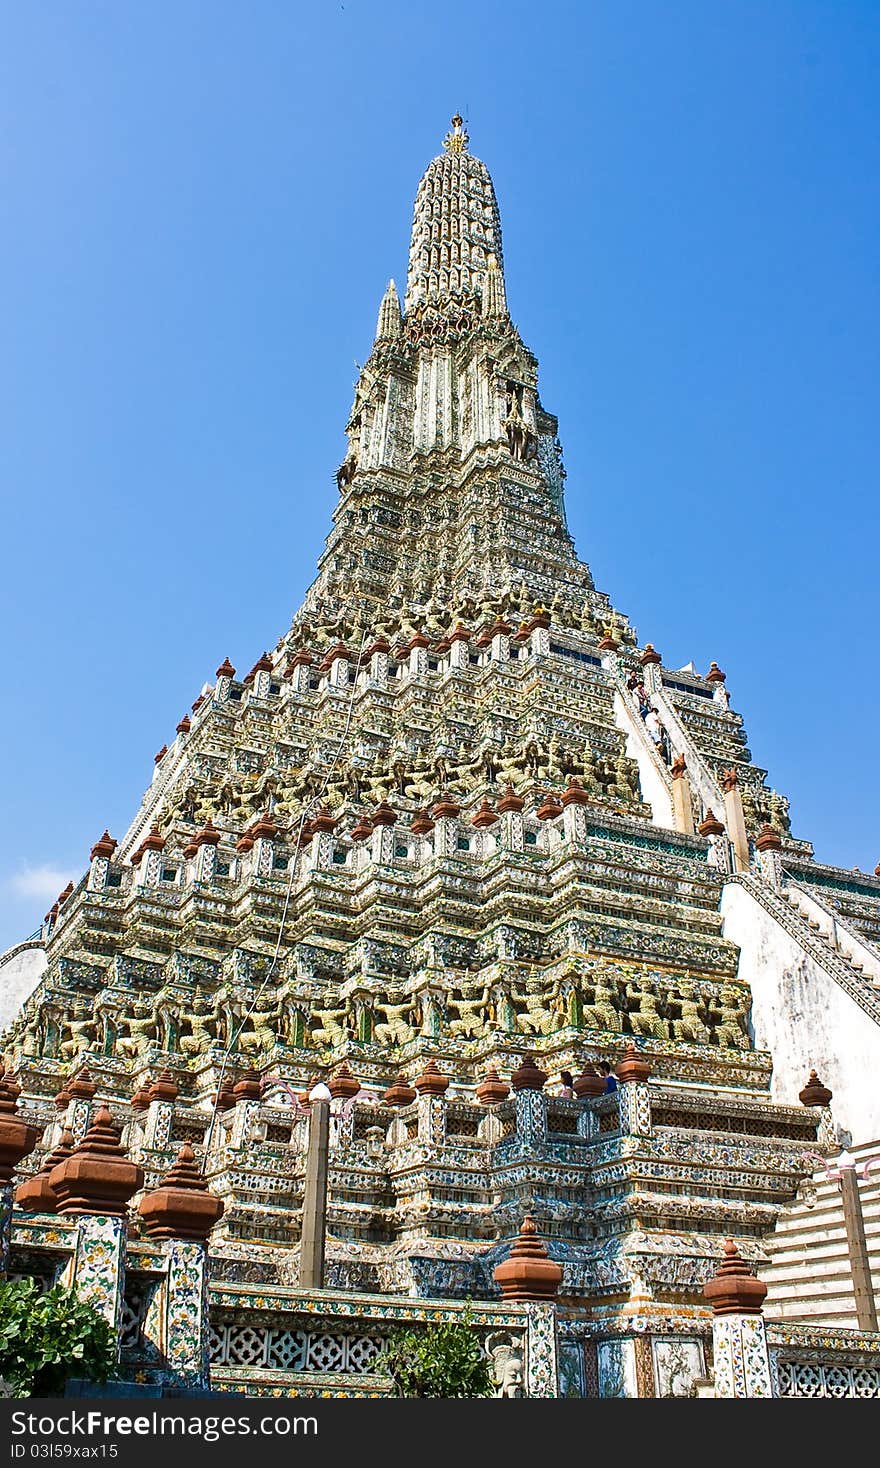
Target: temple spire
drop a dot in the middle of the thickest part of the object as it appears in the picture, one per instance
(389, 323)
(456, 227)
(456, 141)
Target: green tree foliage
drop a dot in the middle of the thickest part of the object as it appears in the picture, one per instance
(443, 1360)
(47, 1338)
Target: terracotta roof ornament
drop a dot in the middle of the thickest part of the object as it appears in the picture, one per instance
(715, 674)
(607, 642)
(574, 793)
(632, 1067)
(183, 1206)
(97, 1177)
(588, 1083)
(248, 1087)
(492, 1089)
(445, 809)
(528, 1076)
(185, 725)
(528, 1273)
(104, 847)
(82, 1087)
(421, 824)
(729, 780)
(768, 840)
(549, 808)
(734, 1289)
(814, 1093)
(383, 815)
(343, 1083)
(164, 1087)
(650, 655)
(225, 669)
(484, 817)
(35, 1195)
(510, 801)
(363, 830)
(17, 1137)
(710, 826)
(432, 1081)
(400, 1092)
(678, 768)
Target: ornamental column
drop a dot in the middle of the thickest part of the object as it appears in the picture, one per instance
(530, 1275)
(94, 1184)
(180, 1213)
(431, 1086)
(633, 1096)
(769, 847)
(574, 816)
(651, 662)
(384, 820)
(682, 804)
(736, 821)
(510, 809)
(100, 857)
(739, 1336)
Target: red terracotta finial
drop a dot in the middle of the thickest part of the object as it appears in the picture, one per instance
(140, 1098)
(678, 767)
(182, 1207)
(733, 1289)
(343, 1083)
(445, 809)
(493, 1089)
(323, 821)
(729, 780)
(17, 1137)
(104, 847)
(432, 1081)
(768, 840)
(421, 824)
(510, 801)
(632, 1067)
(383, 815)
(484, 817)
(34, 1195)
(589, 1083)
(97, 1177)
(711, 826)
(650, 655)
(82, 1087)
(264, 828)
(164, 1087)
(529, 1273)
(160, 754)
(363, 830)
(574, 793)
(877, 870)
(814, 1093)
(608, 642)
(715, 674)
(248, 1087)
(528, 1077)
(185, 725)
(400, 1092)
(225, 669)
(549, 808)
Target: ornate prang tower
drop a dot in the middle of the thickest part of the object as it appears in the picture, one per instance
(439, 831)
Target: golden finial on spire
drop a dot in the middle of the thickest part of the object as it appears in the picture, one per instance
(457, 140)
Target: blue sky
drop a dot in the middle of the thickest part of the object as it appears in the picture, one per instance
(202, 205)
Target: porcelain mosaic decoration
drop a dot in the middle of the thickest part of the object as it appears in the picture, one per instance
(429, 837)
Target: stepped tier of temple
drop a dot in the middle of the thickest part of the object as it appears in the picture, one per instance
(431, 827)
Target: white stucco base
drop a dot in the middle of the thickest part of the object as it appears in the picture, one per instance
(804, 1018)
(21, 969)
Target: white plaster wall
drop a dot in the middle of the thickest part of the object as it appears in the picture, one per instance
(804, 1018)
(20, 971)
(654, 790)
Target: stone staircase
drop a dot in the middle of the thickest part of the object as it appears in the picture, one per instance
(837, 932)
(808, 1277)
